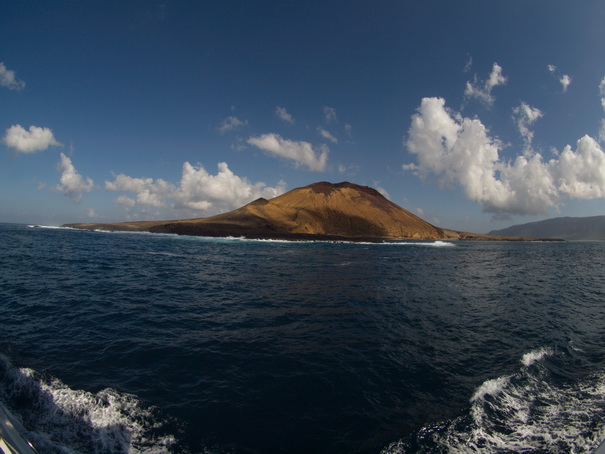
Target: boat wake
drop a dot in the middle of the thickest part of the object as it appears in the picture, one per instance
(58, 419)
(523, 412)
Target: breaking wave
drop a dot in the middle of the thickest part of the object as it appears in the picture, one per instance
(58, 419)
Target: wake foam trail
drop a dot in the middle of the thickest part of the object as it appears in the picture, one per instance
(523, 412)
(62, 420)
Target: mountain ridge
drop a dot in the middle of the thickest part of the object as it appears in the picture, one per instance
(566, 227)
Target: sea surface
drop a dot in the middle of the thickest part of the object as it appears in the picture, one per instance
(147, 343)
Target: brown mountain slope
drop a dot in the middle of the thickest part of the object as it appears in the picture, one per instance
(319, 210)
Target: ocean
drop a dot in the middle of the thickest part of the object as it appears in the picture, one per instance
(149, 343)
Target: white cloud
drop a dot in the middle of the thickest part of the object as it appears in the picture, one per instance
(329, 114)
(602, 95)
(9, 80)
(602, 92)
(460, 151)
(565, 82)
(302, 153)
(71, 183)
(327, 135)
(128, 202)
(564, 79)
(581, 174)
(283, 114)
(483, 91)
(149, 192)
(197, 190)
(231, 124)
(524, 116)
(29, 141)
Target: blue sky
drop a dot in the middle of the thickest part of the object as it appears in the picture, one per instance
(475, 115)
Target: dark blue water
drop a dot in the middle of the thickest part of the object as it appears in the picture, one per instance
(117, 342)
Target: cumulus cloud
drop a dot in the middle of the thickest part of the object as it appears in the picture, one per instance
(460, 152)
(329, 114)
(482, 91)
(327, 135)
(302, 153)
(126, 201)
(72, 184)
(197, 190)
(524, 116)
(200, 190)
(149, 192)
(29, 141)
(283, 114)
(9, 80)
(231, 124)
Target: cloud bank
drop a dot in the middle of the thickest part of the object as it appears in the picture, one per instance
(302, 153)
(460, 152)
(197, 190)
(9, 80)
(29, 141)
(72, 184)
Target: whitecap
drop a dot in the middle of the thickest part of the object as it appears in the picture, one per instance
(491, 387)
(536, 355)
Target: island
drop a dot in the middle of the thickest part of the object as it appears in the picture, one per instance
(319, 211)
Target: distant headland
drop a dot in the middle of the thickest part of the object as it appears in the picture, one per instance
(321, 211)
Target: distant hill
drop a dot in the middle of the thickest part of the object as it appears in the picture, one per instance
(318, 211)
(566, 228)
